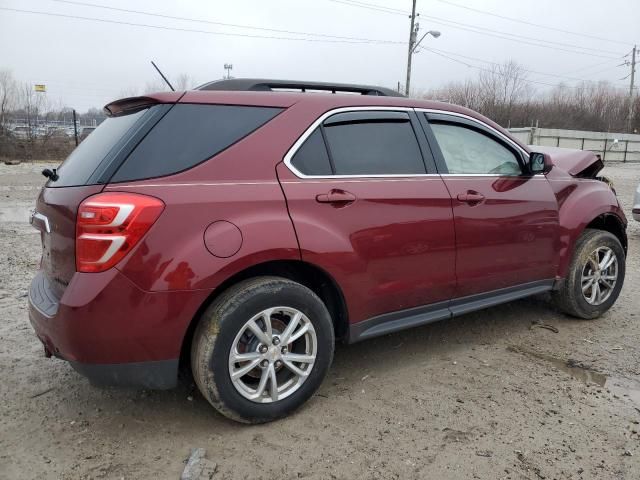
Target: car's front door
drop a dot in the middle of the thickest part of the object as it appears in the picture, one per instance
(506, 220)
(366, 211)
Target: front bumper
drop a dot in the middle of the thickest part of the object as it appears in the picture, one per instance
(113, 332)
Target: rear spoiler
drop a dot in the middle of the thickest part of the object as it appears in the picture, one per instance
(133, 104)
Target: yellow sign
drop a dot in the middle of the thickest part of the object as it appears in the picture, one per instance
(40, 88)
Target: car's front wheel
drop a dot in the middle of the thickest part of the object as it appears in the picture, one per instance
(595, 276)
(262, 349)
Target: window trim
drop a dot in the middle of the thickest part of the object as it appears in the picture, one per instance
(318, 122)
(488, 130)
(298, 143)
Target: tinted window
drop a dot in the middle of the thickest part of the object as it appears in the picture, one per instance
(311, 158)
(83, 161)
(374, 148)
(188, 135)
(469, 151)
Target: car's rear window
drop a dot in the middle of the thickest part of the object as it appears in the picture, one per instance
(85, 159)
(188, 135)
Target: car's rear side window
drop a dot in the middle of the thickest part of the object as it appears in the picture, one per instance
(188, 135)
(312, 157)
(374, 147)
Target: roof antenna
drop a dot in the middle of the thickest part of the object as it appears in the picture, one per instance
(163, 77)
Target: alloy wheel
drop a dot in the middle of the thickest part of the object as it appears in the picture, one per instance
(599, 275)
(273, 354)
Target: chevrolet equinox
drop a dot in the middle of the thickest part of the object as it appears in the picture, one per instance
(243, 227)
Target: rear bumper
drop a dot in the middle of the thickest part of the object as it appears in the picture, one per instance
(158, 375)
(113, 332)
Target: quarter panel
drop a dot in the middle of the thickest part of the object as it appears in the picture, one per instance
(174, 256)
(580, 201)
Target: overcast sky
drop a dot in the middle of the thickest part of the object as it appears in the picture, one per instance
(88, 63)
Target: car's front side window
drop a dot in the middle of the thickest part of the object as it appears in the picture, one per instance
(468, 151)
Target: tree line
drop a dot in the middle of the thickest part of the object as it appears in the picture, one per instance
(506, 94)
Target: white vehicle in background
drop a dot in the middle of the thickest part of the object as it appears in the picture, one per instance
(636, 205)
(20, 131)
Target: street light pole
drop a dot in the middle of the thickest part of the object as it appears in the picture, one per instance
(412, 39)
(413, 44)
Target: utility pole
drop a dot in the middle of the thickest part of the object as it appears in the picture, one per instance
(75, 127)
(413, 33)
(631, 86)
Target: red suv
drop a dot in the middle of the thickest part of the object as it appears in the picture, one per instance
(242, 228)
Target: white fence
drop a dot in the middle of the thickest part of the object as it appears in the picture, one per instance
(612, 147)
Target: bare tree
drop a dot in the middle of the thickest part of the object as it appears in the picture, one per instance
(157, 85)
(466, 94)
(504, 94)
(184, 81)
(8, 90)
(502, 87)
(34, 105)
(129, 92)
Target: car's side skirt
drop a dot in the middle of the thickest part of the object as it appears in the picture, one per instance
(412, 317)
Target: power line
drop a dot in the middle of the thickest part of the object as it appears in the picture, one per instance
(525, 69)
(588, 67)
(371, 6)
(212, 22)
(206, 32)
(357, 3)
(498, 73)
(485, 12)
(489, 32)
(521, 38)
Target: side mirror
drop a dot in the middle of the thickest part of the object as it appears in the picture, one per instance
(538, 163)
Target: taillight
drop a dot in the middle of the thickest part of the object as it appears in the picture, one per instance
(109, 225)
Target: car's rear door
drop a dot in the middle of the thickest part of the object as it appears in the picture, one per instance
(370, 210)
(506, 220)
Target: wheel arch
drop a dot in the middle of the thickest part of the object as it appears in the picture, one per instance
(611, 223)
(307, 274)
(608, 221)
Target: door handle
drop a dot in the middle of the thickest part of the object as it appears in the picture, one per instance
(471, 197)
(336, 196)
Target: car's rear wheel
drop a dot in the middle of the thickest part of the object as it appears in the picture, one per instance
(595, 276)
(262, 349)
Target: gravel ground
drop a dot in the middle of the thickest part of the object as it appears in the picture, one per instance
(480, 396)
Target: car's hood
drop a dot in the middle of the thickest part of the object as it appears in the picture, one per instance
(577, 163)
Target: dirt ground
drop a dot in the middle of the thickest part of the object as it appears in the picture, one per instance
(481, 396)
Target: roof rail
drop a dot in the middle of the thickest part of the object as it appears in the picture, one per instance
(266, 85)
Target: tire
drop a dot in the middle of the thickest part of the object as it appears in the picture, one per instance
(223, 327)
(569, 298)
